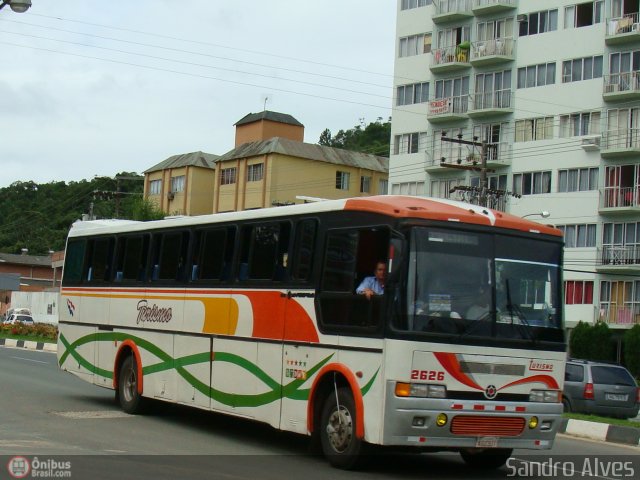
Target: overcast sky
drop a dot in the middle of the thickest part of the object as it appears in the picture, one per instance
(95, 87)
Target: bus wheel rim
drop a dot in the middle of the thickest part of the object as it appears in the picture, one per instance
(130, 385)
(340, 429)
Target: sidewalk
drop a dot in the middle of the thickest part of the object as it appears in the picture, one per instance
(9, 342)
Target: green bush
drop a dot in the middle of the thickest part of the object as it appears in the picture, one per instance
(631, 343)
(37, 330)
(591, 342)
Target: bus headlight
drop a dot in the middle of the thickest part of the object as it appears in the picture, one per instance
(545, 396)
(441, 420)
(424, 390)
(533, 422)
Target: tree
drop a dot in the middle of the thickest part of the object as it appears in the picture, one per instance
(631, 342)
(591, 342)
(579, 341)
(375, 138)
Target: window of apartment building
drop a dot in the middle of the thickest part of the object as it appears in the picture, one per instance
(456, 89)
(493, 29)
(451, 37)
(624, 62)
(539, 22)
(255, 172)
(365, 184)
(492, 134)
(537, 75)
(493, 90)
(342, 180)
(408, 4)
(578, 179)
(228, 176)
(410, 143)
(414, 45)
(577, 124)
(442, 188)
(530, 129)
(383, 186)
(177, 184)
(408, 188)
(494, 182)
(619, 301)
(532, 183)
(578, 292)
(155, 187)
(414, 93)
(582, 69)
(584, 14)
(579, 236)
(622, 234)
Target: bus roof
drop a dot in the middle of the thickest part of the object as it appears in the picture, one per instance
(397, 206)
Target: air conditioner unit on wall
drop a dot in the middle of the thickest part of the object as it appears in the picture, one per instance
(521, 18)
(171, 195)
(590, 143)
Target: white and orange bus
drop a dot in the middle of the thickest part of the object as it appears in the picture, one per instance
(255, 314)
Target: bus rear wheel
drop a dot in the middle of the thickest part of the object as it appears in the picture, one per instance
(338, 431)
(130, 400)
(486, 458)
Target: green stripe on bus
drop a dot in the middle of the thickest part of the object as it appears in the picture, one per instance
(291, 390)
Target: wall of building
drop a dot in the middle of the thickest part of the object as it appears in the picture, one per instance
(265, 129)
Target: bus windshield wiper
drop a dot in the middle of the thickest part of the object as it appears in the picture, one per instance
(523, 324)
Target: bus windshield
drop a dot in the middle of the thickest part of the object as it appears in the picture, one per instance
(481, 285)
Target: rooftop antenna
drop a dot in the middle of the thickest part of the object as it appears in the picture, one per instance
(265, 98)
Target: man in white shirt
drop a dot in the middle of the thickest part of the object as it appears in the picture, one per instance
(374, 285)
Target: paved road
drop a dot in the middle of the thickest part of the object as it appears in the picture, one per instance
(53, 415)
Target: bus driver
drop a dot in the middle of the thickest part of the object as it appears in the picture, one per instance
(374, 285)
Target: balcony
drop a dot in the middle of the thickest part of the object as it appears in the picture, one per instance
(620, 143)
(622, 30)
(448, 109)
(490, 7)
(621, 86)
(498, 155)
(620, 316)
(450, 59)
(451, 11)
(618, 258)
(491, 104)
(620, 200)
(492, 52)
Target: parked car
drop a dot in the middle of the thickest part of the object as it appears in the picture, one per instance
(19, 318)
(600, 388)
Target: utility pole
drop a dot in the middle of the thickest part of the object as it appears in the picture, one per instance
(483, 192)
(117, 194)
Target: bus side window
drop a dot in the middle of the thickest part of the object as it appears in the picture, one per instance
(303, 249)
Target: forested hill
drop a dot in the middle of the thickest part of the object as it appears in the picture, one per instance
(38, 216)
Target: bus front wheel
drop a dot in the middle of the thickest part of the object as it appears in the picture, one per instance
(338, 431)
(130, 399)
(489, 458)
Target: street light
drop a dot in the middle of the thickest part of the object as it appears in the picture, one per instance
(18, 6)
(543, 214)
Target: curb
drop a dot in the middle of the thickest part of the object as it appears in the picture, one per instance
(601, 431)
(47, 347)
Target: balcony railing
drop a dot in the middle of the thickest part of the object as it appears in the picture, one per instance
(620, 197)
(619, 255)
(497, 154)
(489, 3)
(443, 7)
(448, 55)
(622, 82)
(449, 105)
(626, 24)
(621, 139)
(616, 315)
(492, 99)
(494, 47)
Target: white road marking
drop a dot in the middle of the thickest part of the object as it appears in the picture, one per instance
(94, 414)
(30, 360)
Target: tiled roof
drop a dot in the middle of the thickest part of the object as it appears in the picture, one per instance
(193, 159)
(268, 115)
(308, 151)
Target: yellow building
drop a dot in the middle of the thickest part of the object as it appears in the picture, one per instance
(270, 165)
(182, 184)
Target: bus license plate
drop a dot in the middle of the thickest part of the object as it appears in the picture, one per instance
(616, 397)
(487, 442)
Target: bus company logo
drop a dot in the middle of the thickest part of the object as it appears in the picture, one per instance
(153, 313)
(19, 467)
(538, 366)
(490, 392)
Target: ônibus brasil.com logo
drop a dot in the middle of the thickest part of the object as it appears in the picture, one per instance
(21, 467)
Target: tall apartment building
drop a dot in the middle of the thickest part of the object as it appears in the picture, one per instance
(552, 87)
